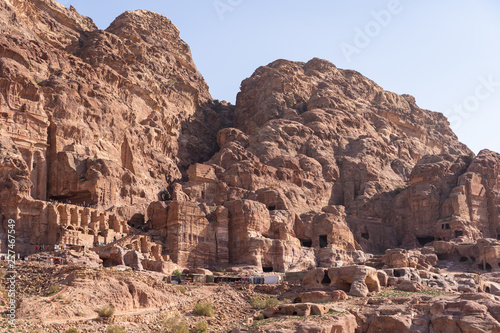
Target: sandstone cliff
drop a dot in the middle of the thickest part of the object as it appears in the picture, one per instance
(112, 136)
(103, 118)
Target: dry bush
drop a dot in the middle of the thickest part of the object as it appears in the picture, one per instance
(106, 311)
(204, 309)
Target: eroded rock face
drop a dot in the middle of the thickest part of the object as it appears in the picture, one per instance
(354, 280)
(314, 165)
(99, 118)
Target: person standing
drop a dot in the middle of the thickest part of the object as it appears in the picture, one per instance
(36, 249)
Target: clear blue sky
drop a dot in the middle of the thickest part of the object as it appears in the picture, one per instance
(445, 53)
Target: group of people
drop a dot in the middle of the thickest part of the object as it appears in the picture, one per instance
(104, 243)
(39, 248)
(68, 202)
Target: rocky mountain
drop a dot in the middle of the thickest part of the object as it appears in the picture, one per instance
(119, 167)
(111, 136)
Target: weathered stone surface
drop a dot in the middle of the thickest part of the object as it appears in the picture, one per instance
(133, 259)
(462, 316)
(390, 324)
(128, 114)
(355, 280)
(321, 296)
(313, 166)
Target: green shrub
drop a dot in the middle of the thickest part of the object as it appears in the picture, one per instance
(116, 329)
(181, 289)
(106, 311)
(174, 325)
(260, 304)
(204, 309)
(271, 302)
(177, 273)
(54, 289)
(201, 327)
(73, 330)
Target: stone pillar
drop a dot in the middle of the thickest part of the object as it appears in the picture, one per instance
(63, 215)
(85, 217)
(75, 217)
(103, 225)
(39, 176)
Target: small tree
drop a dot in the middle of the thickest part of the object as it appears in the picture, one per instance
(177, 273)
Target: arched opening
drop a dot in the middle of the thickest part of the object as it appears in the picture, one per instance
(271, 207)
(425, 239)
(326, 280)
(487, 290)
(70, 227)
(365, 235)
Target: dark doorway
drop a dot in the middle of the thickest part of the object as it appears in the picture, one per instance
(326, 280)
(424, 240)
(458, 233)
(306, 243)
(365, 235)
(267, 269)
(271, 207)
(323, 241)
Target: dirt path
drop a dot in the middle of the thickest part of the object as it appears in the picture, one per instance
(117, 314)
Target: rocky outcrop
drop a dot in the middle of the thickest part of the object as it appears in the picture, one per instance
(321, 296)
(313, 167)
(107, 119)
(354, 280)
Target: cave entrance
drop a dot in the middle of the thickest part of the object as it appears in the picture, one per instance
(365, 235)
(306, 243)
(136, 221)
(272, 207)
(458, 233)
(485, 267)
(78, 198)
(267, 269)
(323, 241)
(425, 239)
(326, 280)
